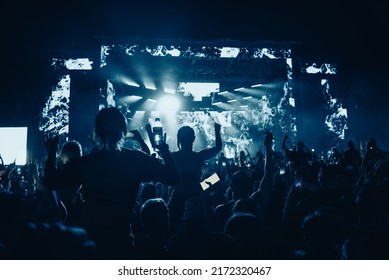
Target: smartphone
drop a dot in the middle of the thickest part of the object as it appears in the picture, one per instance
(211, 180)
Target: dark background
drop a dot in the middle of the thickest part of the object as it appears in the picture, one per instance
(354, 35)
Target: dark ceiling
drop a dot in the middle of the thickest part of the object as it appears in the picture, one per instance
(328, 28)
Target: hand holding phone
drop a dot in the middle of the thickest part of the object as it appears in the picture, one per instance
(210, 181)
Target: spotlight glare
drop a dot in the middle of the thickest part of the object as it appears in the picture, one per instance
(170, 90)
(131, 98)
(151, 87)
(131, 83)
(168, 103)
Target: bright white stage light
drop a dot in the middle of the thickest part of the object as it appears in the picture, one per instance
(168, 103)
(131, 98)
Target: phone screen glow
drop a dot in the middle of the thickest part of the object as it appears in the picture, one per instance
(213, 179)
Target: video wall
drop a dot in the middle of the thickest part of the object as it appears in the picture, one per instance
(245, 89)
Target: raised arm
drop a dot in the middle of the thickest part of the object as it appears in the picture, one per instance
(248, 155)
(150, 134)
(284, 142)
(211, 152)
(50, 168)
(170, 174)
(55, 178)
(137, 137)
(262, 194)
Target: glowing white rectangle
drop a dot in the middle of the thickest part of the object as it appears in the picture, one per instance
(13, 145)
(197, 90)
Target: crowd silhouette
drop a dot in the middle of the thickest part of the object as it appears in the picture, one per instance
(121, 203)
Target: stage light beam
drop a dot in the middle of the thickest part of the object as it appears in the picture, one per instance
(168, 103)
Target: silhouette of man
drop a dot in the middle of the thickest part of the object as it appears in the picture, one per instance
(110, 178)
(190, 165)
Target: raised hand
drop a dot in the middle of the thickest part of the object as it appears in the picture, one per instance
(150, 134)
(51, 143)
(148, 128)
(163, 148)
(217, 127)
(136, 134)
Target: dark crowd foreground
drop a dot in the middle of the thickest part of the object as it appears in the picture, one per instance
(148, 203)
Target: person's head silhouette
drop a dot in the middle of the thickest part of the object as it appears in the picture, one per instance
(70, 149)
(185, 137)
(240, 185)
(110, 127)
(351, 145)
